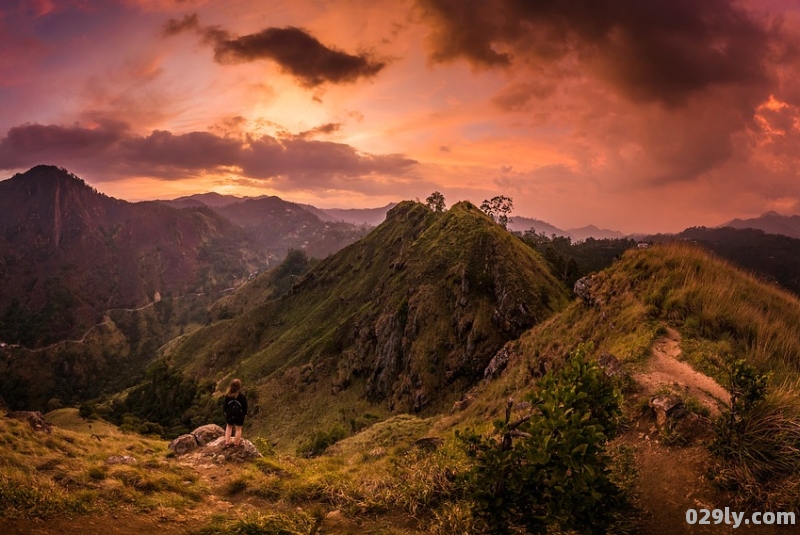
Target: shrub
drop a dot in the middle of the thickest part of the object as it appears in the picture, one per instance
(757, 441)
(88, 411)
(550, 468)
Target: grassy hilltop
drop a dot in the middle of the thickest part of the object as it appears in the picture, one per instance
(406, 319)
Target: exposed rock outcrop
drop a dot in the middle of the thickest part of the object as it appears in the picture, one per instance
(34, 418)
(209, 441)
(583, 289)
(611, 366)
(246, 451)
(207, 433)
(183, 444)
(498, 363)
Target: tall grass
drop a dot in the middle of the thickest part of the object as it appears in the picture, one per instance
(708, 298)
(65, 473)
(762, 465)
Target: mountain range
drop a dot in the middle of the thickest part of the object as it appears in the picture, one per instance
(770, 223)
(392, 355)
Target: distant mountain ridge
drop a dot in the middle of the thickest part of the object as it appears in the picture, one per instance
(355, 216)
(375, 216)
(67, 253)
(771, 223)
(523, 224)
(591, 231)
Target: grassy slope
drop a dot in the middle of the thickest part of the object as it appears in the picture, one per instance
(719, 310)
(65, 473)
(407, 318)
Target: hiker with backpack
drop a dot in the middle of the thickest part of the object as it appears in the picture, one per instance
(235, 409)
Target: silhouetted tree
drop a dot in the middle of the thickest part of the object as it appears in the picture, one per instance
(498, 209)
(435, 202)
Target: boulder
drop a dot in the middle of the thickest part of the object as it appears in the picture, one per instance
(34, 418)
(183, 444)
(245, 451)
(207, 433)
(611, 366)
(583, 289)
(666, 407)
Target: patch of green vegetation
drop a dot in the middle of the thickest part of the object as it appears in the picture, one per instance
(550, 470)
(167, 403)
(570, 261)
(321, 440)
(757, 440)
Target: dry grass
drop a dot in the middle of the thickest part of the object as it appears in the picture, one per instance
(377, 473)
(66, 472)
(762, 465)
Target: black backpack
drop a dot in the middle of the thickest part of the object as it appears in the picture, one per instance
(234, 410)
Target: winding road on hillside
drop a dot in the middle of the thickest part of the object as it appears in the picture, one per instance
(109, 322)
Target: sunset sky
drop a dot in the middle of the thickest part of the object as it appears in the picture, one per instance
(641, 116)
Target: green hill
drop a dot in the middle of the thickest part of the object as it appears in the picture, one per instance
(720, 312)
(405, 319)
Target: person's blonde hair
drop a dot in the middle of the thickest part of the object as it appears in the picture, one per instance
(234, 389)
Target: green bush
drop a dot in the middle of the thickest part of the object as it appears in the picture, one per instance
(549, 469)
(748, 389)
(757, 441)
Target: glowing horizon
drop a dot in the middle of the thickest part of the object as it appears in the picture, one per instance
(646, 118)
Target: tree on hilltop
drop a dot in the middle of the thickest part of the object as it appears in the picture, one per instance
(498, 209)
(435, 202)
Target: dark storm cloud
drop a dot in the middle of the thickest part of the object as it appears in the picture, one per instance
(297, 52)
(29, 144)
(175, 26)
(658, 50)
(328, 128)
(311, 162)
(111, 152)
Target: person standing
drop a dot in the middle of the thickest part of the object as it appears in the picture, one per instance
(235, 409)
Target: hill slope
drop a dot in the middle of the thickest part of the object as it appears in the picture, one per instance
(404, 319)
(277, 226)
(774, 257)
(68, 253)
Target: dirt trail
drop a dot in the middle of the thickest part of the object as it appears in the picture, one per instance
(664, 368)
(672, 480)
